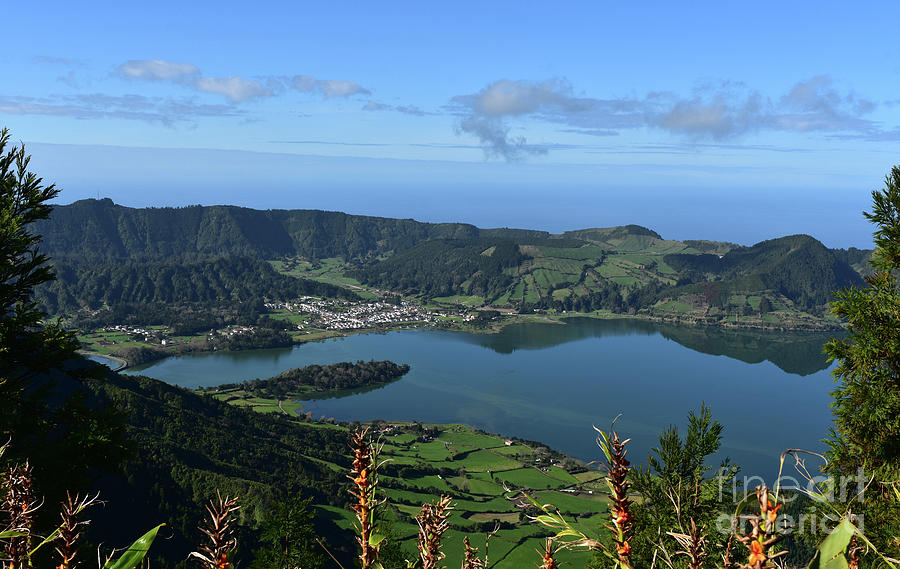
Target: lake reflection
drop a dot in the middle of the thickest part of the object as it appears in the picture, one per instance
(552, 382)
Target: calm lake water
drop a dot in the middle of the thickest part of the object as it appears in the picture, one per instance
(108, 362)
(551, 383)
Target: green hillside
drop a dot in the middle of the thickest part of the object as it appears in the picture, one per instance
(100, 228)
(186, 446)
(177, 254)
(626, 270)
(80, 284)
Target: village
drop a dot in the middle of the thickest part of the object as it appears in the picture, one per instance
(306, 315)
(326, 314)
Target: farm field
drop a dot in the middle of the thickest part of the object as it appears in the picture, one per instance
(484, 476)
(329, 270)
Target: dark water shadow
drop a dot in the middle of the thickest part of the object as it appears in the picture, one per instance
(794, 352)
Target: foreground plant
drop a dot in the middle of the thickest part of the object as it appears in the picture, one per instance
(763, 535)
(364, 474)
(70, 529)
(470, 556)
(867, 398)
(221, 541)
(693, 545)
(19, 505)
(432, 521)
(549, 550)
(621, 519)
(617, 479)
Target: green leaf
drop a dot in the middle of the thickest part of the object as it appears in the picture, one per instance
(134, 555)
(375, 539)
(48, 539)
(830, 554)
(11, 533)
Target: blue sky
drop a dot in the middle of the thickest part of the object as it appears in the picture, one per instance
(700, 119)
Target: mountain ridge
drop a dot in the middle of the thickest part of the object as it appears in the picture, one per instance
(627, 269)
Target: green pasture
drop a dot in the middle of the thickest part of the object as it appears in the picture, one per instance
(459, 299)
(426, 482)
(590, 252)
(464, 436)
(484, 460)
(433, 451)
(570, 503)
(529, 477)
(673, 306)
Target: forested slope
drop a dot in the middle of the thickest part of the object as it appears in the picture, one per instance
(447, 266)
(81, 284)
(100, 228)
(106, 253)
(187, 446)
(797, 266)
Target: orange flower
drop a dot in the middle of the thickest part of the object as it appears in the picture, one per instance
(772, 513)
(621, 517)
(624, 549)
(756, 553)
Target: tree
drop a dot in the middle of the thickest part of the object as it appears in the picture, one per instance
(676, 492)
(866, 406)
(288, 538)
(27, 344)
(43, 409)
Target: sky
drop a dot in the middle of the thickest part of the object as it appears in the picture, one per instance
(717, 120)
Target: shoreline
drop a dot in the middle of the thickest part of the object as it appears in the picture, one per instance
(497, 326)
(123, 364)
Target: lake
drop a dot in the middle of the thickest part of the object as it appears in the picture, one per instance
(113, 364)
(552, 382)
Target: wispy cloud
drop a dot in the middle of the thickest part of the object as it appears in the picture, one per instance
(485, 114)
(717, 112)
(405, 109)
(713, 111)
(235, 88)
(328, 88)
(495, 138)
(159, 110)
(506, 98)
(330, 143)
(64, 61)
(592, 131)
(158, 70)
(73, 77)
(815, 105)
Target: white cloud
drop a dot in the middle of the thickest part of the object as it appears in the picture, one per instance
(157, 69)
(484, 113)
(405, 109)
(158, 110)
(373, 106)
(235, 88)
(816, 105)
(336, 88)
(328, 88)
(505, 97)
(496, 140)
(716, 111)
